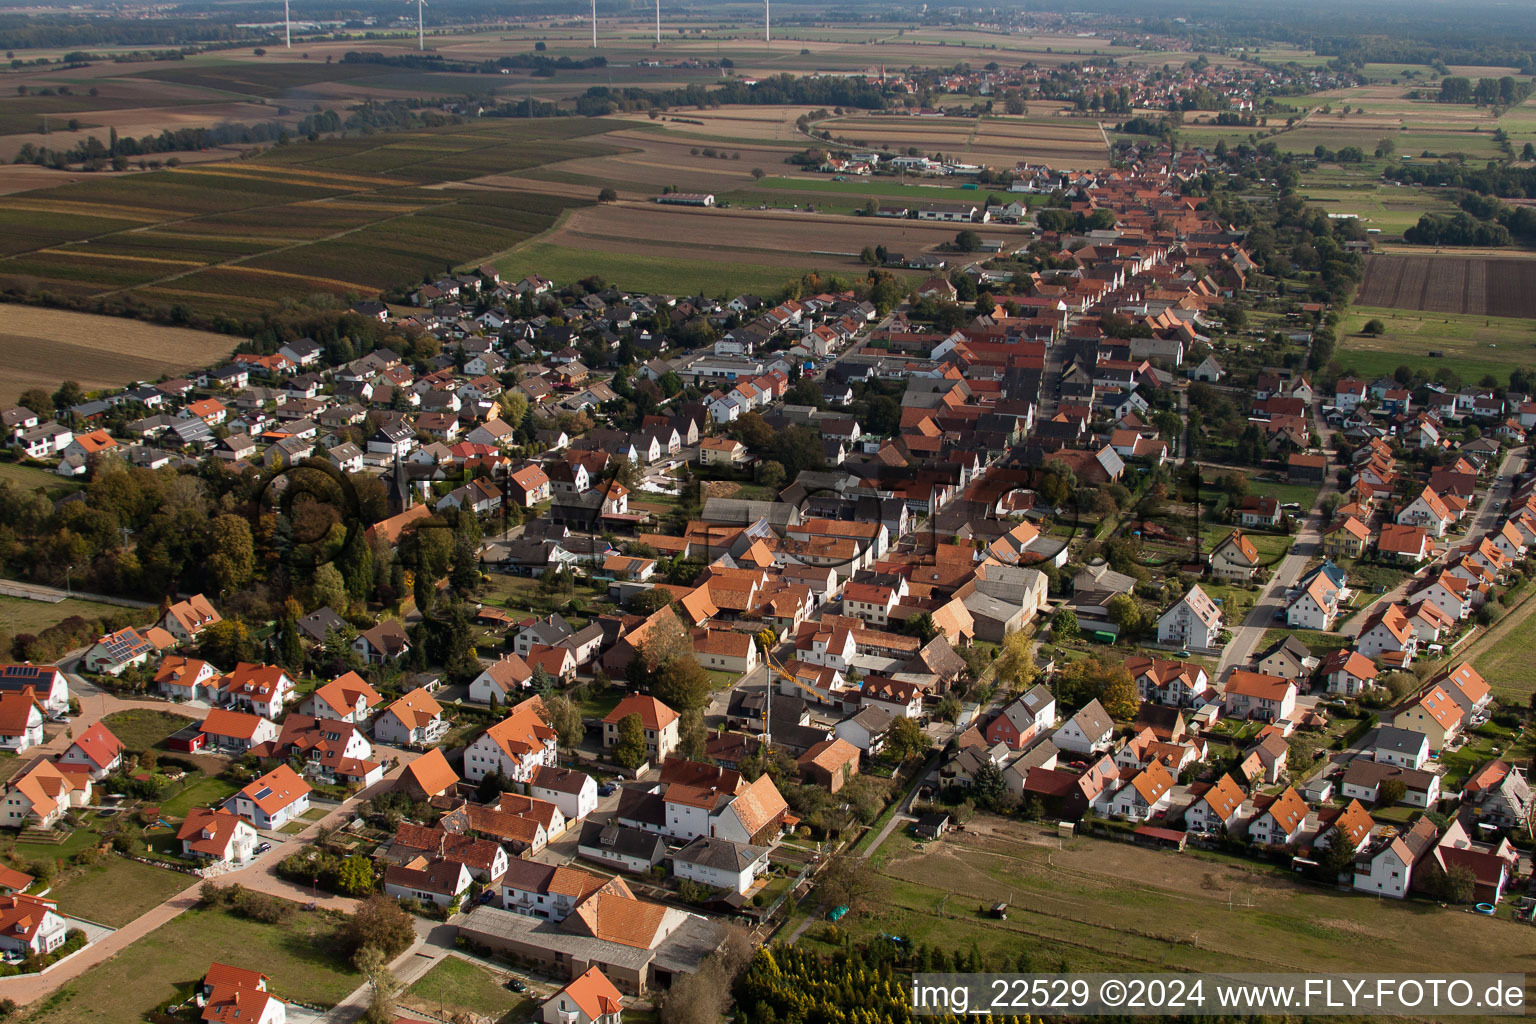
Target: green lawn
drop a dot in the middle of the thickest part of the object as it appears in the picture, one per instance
(33, 477)
(645, 273)
(1302, 494)
(300, 955)
(1507, 664)
(1320, 644)
(455, 986)
(1472, 345)
(20, 615)
(141, 728)
(79, 839)
(198, 791)
(1100, 905)
(117, 890)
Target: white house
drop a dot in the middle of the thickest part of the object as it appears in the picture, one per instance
(590, 999)
(1315, 607)
(1402, 747)
(1149, 793)
(1194, 621)
(720, 863)
(517, 746)
(30, 924)
(21, 723)
(49, 685)
(1087, 732)
(440, 882)
(215, 836)
(416, 719)
(1256, 695)
(272, 800)
(501, 680)
(575, 793)
(1385, 868)
(1281, 822)
(100, 752)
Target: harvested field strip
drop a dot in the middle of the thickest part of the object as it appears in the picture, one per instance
(81, 253)
(302, 175)
(20, 204)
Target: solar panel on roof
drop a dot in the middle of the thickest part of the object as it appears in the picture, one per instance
(263, 793)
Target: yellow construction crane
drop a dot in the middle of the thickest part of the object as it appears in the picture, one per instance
(765, 641)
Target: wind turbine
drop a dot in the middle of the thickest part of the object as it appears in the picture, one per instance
(421, 36)
(658, 21)
(594, 24)
(287, 27)
(767, 35)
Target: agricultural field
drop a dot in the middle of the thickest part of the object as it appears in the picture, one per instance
(1384, 207)
(1475, 285)
(666, 275)
(347, 216)
(1469, 346)
(37, 346)
(797, 242)
(1109, 906)
(301, 956)
(1061, 142)
(1505, 653)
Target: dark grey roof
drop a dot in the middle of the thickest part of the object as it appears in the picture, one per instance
(722, 854)
(620, 841)
(1399, 741)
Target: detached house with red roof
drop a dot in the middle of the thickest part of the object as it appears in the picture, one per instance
(416, 719)
(48, 684)
(1256, 695)
(662, 724)
(236, 731)
(517, 746)
(1435, 713)
(1402, 543)
(215, 836)
(115, 652)
(234, 995)
(347, 698)
(1389, 635)
(528, 486)
(264, 689)
(184, 620)
(1234, 558)
(188, 679)
(97, 750)
(590, 999)
(1428, 511)
(40, 794)
(1348, 672)
(30, 924)
(273, 800)
(21, 721)
(1280, 819)
(1217, 807)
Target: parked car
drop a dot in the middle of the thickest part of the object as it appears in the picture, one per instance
(517, 985)
(263, 848)
(607, 789)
